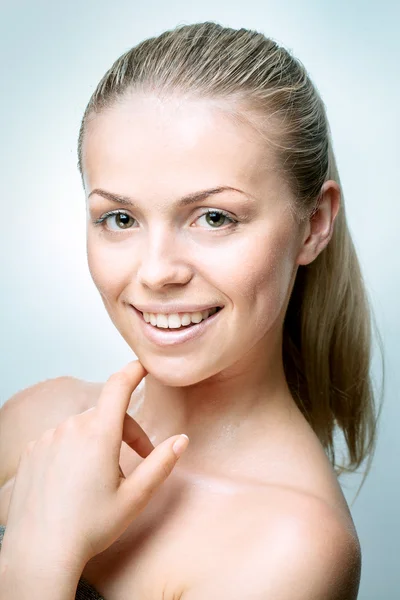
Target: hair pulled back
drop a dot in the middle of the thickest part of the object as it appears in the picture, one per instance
(327, 334)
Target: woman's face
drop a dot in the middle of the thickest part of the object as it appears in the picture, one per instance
(162, 252)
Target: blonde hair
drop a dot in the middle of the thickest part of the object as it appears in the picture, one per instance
(327, 328)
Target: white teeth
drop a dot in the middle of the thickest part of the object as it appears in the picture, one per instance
(162, 321)
(174, 321)
(196, 317)
(185, 319)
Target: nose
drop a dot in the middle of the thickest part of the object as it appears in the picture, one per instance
(162, 262)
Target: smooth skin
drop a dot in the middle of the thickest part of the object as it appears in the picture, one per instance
(59, 492)
(253, 508)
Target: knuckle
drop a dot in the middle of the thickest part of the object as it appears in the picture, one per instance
(165, 469)
(65, 427)
(138, 499)
(119, 378)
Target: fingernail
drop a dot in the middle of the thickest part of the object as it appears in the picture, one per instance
(181, 444)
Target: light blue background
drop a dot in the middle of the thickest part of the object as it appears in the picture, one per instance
(53, 321)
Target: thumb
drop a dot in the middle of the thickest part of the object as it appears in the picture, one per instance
(135, 491)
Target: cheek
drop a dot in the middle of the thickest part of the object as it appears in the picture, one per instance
(254, 271)
(263, 263)
(109, 273)
(262, 277)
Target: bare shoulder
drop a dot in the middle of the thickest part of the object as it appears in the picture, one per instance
(30, 412)
(298, 548)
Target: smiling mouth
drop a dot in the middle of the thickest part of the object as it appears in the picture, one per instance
(181, 327)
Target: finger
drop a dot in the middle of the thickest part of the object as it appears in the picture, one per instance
(136, 437)
(135, 492)
(115, 396)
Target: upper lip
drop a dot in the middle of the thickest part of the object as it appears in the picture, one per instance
(168, 309)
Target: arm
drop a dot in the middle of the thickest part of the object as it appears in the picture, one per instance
(23, 418)
(32, 576)
(70, 519)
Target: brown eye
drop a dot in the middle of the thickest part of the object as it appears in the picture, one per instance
(122, 221)
(217, 218)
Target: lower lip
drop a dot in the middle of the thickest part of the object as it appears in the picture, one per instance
(169, 337)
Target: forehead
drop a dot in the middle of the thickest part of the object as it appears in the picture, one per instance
(144, 142)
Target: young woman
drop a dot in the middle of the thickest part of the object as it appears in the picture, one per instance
(217, 238)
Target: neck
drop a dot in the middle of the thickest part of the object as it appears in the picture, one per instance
(225, 416)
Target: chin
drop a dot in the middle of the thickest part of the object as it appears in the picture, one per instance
(178, 372)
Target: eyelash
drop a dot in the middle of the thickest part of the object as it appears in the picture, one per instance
(101, 220)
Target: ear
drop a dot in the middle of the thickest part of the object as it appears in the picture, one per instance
(319, 227)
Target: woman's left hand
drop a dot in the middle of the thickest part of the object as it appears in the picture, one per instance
(70, 500)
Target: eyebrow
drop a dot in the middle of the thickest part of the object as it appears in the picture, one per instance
(184, 201)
